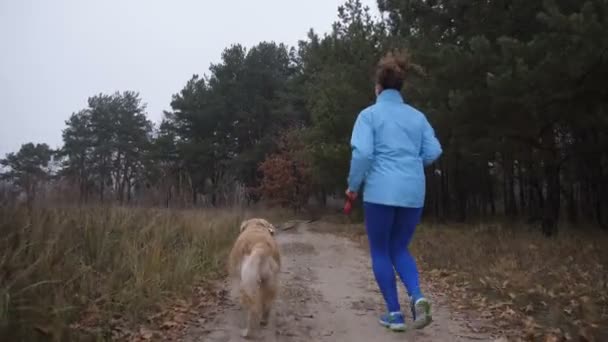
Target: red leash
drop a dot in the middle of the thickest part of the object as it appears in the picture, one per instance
(348, 206)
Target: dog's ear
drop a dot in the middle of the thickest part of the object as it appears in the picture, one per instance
(269, 226)
(244, 225)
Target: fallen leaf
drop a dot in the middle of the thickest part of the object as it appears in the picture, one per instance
(43, 330)
(169, 325)
(145, 333)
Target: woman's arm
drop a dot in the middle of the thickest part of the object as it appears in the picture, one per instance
(431, 148)
(362, 145)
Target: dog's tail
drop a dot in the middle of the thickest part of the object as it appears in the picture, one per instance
(257, 267)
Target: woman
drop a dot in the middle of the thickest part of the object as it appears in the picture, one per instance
(391, 144)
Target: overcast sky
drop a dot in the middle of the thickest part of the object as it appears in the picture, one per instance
(55, 54)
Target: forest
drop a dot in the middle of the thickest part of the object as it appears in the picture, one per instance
(516, 91)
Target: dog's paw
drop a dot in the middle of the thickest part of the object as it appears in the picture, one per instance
(245, 333)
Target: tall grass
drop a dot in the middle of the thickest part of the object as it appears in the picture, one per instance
(61, 266)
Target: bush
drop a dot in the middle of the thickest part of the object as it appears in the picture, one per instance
(286, 175)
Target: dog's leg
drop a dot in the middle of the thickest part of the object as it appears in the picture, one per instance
(247, 332)
(265, 314)
(253, 319)
(268, 300)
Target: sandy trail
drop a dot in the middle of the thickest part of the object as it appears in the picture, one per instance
(328, 294)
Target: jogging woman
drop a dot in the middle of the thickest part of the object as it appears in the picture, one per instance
(391, 143)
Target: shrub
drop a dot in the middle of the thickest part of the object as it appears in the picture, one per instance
(286, 174)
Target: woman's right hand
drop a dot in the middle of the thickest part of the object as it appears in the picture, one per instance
(351, 196)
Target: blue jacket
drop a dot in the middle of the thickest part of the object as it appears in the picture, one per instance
(391, 143)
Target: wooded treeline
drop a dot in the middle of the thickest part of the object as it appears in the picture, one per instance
(516, 91)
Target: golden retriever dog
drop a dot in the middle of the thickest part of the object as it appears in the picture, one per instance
(254, 265)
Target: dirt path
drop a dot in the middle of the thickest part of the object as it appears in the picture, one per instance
(328, 294)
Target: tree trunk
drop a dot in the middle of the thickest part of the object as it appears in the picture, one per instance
(552, 203)
(599, 193)
(445, 191)
(552, 184)
(572, 209)
(521, 182)
(509, 186)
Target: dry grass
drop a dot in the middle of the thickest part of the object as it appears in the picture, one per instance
(62, 268)
(521, 279)
(528, 285)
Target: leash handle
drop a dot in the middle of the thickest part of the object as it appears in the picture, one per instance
(348, 205)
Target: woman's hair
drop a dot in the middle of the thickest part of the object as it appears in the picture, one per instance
(390, 72)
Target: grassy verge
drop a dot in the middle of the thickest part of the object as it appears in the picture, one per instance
(64, 270)
(541, 288)
(531, 287)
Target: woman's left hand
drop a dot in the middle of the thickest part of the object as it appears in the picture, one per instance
(351, 195)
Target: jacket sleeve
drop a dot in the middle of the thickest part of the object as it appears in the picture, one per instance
(362, 146)
(431, 148)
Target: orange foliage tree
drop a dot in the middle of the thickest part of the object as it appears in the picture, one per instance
(286, 174)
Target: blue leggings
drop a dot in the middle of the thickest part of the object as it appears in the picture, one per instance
(389, 231)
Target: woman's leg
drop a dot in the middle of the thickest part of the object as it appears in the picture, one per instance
(378, 223)
(404, 226)
(403, 230)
